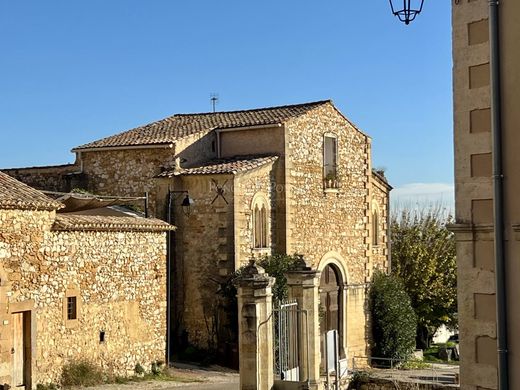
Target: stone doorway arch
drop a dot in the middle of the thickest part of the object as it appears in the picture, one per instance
(331, 306)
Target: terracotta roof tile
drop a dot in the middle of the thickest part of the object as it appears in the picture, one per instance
(108, 223)
(231, 166)
(17, 195)
(168, 130)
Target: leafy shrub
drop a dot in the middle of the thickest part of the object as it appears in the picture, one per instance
(358, 379)
(81, 373)
(157, 367)
(139, 370)
(48, 386)
(274, 265)
(394, 322)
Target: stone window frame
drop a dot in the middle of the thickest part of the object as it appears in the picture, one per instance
(71, 292)
(374, 226)
(260, 212)
(330, 183)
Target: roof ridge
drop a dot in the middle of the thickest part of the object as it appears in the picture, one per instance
(314, 103)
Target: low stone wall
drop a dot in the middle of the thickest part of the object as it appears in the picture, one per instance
(385, 384)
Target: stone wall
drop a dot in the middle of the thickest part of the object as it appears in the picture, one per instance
(260, 182)
(385, 384)
(131, 172)
(60, 178)
(119, 280)
(320, 221)
(127, 173)
(333, 225)
(380, 201)
(204, 253)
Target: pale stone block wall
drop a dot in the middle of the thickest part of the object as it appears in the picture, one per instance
(119, 279)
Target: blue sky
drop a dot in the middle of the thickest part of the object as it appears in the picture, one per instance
(75, 71)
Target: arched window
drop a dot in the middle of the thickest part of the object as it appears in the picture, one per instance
(375, 226)
(260, 225)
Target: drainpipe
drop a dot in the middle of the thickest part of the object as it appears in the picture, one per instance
(169, 250)
(498, 196)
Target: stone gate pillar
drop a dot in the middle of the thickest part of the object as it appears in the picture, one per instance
(303, 283)
(255, 328)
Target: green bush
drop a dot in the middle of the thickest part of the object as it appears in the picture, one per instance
(139, 369)
(394, 322)
(81, 373)
(49, 386)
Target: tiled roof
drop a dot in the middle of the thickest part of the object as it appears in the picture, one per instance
(168, 130)
(17, 195)
(108, 223)
(231, 165)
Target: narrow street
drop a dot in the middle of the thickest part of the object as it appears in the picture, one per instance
(187, 377)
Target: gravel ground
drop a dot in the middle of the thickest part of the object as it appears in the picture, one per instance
(189, 377)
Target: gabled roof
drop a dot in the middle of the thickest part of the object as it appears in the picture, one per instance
(168, 130)
(17, 195)
(231, 166)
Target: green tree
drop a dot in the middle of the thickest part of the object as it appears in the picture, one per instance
(393, 319)
(423, 256)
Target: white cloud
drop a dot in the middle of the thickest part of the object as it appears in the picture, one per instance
(421, 195)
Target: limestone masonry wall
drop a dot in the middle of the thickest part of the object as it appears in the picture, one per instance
(380, 201)
(118, 279)
(204, 253)
(61, 178)
(258, 183)
(320, 221)
(127, 172)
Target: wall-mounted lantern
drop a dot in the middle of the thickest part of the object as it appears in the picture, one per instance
(406, 10)
(186, 205)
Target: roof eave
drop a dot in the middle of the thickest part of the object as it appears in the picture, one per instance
(166, 145)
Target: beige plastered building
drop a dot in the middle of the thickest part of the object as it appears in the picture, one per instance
(289, 179)
(474, 188)
(76, 288)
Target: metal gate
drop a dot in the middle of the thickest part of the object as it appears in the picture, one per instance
(290, 324)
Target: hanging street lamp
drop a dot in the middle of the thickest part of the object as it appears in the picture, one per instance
(408, 10)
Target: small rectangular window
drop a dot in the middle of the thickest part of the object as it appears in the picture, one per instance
(72, 313)
(330, 162)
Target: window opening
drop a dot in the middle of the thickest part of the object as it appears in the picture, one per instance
(330, 178)
(260, 225)
(72, 308)
(375, 227)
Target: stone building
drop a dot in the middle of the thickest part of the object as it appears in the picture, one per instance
(474, 189)
(289, 179)
(76, 287)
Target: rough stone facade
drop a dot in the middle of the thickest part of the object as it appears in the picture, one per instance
(117, 277)
(60, 178)
(328, 226)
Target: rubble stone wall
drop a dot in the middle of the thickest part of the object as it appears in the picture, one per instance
(321, 221)
(119, 281)
(204, 253)
(60, 178)
(249, 186)
(380, 201)
(333, 225)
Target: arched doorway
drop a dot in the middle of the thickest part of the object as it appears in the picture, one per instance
(331, 306)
